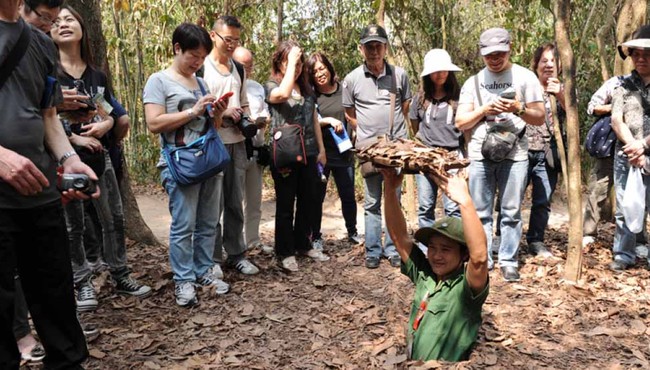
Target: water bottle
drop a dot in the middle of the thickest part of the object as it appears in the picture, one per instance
(323, 179)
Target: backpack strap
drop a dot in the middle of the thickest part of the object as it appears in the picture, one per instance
(16, 53)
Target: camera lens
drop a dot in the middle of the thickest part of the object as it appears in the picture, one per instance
(79, 184)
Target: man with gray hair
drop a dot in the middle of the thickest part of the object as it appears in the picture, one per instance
(367, 94)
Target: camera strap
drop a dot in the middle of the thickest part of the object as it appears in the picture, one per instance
(16, 53)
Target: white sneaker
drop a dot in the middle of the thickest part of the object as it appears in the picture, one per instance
(210, 279)
(246, 267)
(185, 294)
(290, 264)
(267, 248)
(317, 255)
(217, 271)
(586, 240)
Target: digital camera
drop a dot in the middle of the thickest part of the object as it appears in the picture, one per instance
(79, 182)
(247, 127)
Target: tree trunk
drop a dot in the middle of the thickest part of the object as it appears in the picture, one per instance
(90, 11)
(573, 267)
(631, 17)
(600, 39)
(278, 36)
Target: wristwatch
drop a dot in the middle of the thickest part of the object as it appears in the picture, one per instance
(521, 111)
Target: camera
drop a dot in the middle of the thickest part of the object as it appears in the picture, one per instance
(247, 127)
(79, 182)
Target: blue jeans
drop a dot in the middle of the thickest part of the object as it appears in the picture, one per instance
(193, 227)
(427, 196)
(372, 217)
(544, 180)
(509, 177)
(344, 179)
(624, 239)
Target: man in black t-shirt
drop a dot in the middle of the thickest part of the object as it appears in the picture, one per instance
(33, 238)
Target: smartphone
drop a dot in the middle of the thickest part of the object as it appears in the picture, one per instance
(226, 96)
(508, 93)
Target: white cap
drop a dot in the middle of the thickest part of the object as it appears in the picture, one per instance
(437, 60)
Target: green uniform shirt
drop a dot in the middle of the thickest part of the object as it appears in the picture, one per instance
(450, 323)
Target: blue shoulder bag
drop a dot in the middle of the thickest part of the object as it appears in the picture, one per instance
(198, 160)
(601, 138)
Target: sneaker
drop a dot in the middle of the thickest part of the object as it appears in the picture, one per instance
(36, 355)
(210, 279)
(185, 294)
(395, 261)
(354, 238)
(586, 240)
(317, 255)
(289, 264)
(618, 266)
(539, 249)
(510, 274)
(246, 267)
(317, 244)
(86, 297)
(372, 262)
(91, 332)
(129, 285)
(217, 271)
(641, 251)
(267, 249)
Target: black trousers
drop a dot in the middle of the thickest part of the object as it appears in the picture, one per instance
(294, 193)
(35, 243)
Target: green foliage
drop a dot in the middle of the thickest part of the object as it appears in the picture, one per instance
(138, 33)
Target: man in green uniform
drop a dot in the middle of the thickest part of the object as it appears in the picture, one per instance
(451, 281)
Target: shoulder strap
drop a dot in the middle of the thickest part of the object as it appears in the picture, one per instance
(393, 98)
(240, 70)
(478, 91)
(16, 54)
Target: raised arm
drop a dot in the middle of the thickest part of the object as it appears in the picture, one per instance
(395, 221)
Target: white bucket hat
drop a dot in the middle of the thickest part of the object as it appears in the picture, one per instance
(641, 40)
(438, 60)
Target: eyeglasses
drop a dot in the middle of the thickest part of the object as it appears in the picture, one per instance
(43, 18)
(637, 54)
(229, 40)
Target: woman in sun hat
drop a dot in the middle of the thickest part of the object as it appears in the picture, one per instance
(432, 118)
(631, 122)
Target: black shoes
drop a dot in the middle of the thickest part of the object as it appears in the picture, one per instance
(372, 262)
(395, 261)
(539, 249)
(510, 273)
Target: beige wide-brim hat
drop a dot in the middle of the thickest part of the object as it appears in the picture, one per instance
(641, 41)
(438, 60)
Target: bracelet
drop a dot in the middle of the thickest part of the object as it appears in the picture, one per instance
(65, 157)
(190, 113)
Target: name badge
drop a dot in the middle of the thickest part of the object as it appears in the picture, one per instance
(383, 92)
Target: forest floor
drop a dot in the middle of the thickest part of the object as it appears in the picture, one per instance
(340, 315)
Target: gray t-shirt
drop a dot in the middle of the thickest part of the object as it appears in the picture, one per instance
(370, 96)
(437, 126)
(22, 129)
(163, 90)
(528, 89)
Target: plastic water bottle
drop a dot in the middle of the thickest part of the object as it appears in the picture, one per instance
(323, 179)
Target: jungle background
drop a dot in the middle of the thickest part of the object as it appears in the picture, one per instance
(339, 315)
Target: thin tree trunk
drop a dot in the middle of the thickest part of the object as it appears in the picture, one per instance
(631, 17)
(600, 38)
(573, 267)
(280, 16)
(136, 228)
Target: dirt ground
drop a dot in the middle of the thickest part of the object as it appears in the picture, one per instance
(339, 315)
